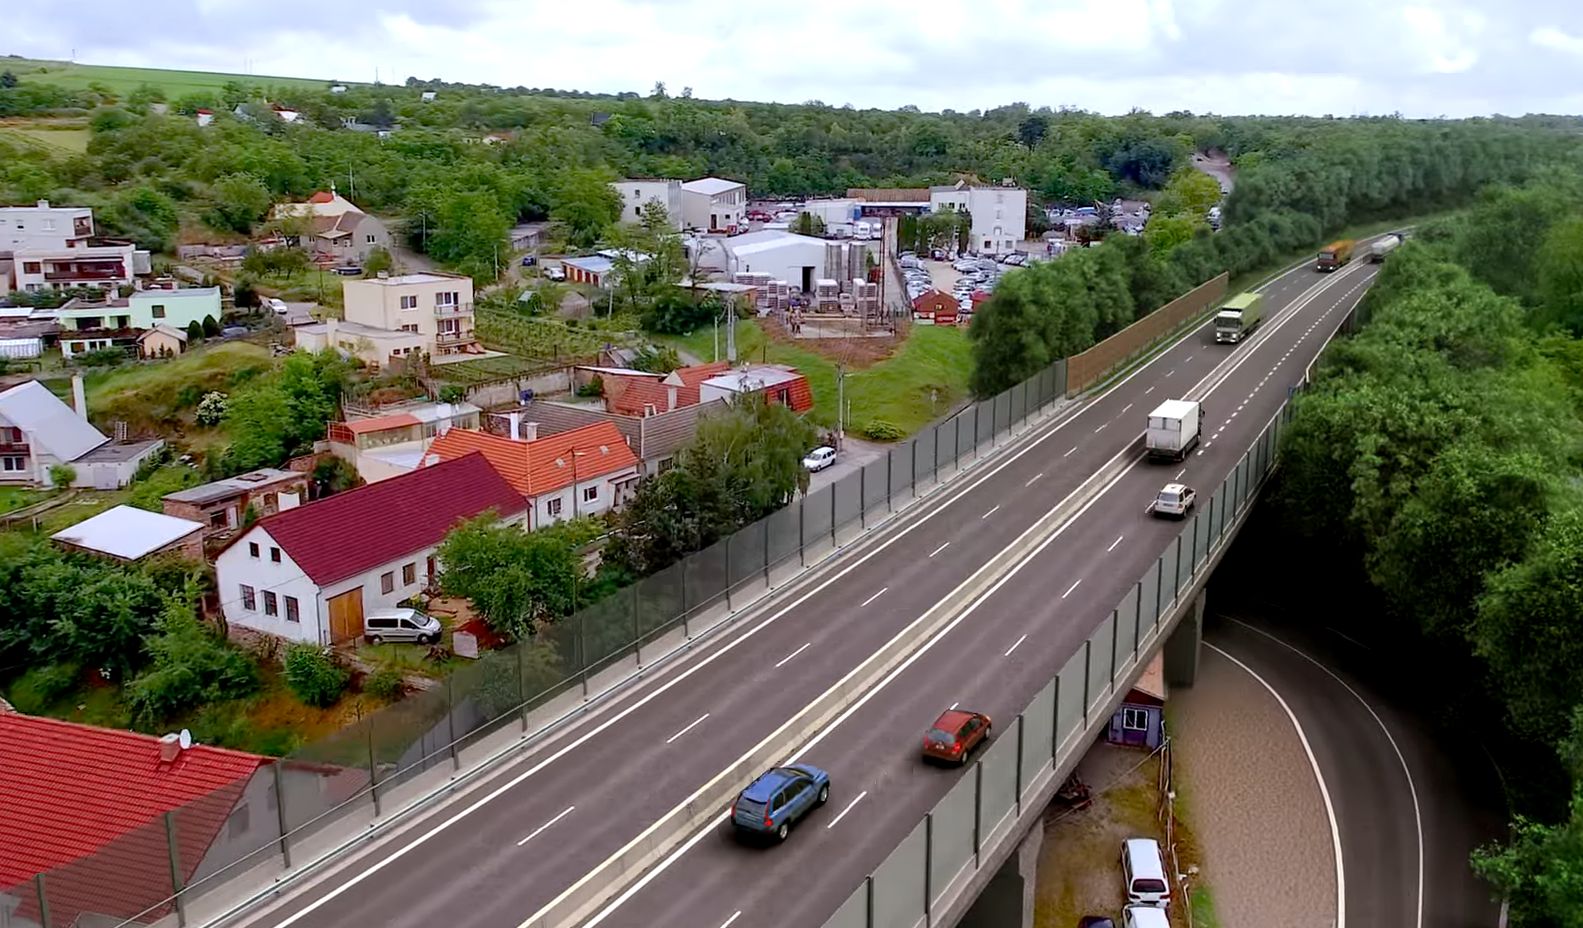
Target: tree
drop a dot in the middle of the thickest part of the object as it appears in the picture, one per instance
(1032, 130)
(143, 214)
(237, 202)
(378, 260)
(194, 333)
(586, 204)
(808, 224)
(516, 580)
(189, 666)
(211, 327)
(314, 676)
(62, 475)
(7, 80)
(1560, 276)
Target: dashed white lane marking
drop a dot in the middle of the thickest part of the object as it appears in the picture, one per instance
(835, 821)
(696, 722)
(875, 596)
(1068, 454)
(1015, 646)
(564, 812)
(939, 549)
(733, 918)
(1148, 391)
(1170, 372)
(991, 512)
(1114, 544)
(1100, 429)
(955, 704)
(1074, 585)
(787, 659)
(1180, 473)
(1125, 408)
(1032, 479)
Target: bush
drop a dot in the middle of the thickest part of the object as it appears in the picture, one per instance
(100, 357)
(882, 430)
(62, 475)
(452, 393)
(211, 327)
(192, 666)
(594, 387)
(313, 675)
(38, 689)
(386, 684)
(212, 408)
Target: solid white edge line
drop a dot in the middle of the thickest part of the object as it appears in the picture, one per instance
(690, 726)
(1017, 645)
(1418, 820)
(835, 821)
(682, 851)
(788, 657)
(1324, 792)
(945, 503)
(875, 596)
(535, 833)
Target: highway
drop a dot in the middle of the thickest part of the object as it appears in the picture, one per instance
(538, 825)
(1408, 810)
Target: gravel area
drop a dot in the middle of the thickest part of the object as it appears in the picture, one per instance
(1252, 802)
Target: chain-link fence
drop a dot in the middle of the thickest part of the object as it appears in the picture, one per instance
(941, 856)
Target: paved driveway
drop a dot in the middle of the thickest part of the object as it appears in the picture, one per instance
(850, 460)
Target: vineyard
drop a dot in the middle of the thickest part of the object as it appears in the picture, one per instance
(546, 339)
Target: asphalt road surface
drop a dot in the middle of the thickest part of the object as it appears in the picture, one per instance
(1409, 808)
(557, 813)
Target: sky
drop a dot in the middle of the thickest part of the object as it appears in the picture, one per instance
(1421, 58)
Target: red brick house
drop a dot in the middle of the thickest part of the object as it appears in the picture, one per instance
(647, 396)
(935, 308)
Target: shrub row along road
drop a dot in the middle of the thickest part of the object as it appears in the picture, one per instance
(538, 826)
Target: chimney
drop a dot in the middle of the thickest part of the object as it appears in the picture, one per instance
(169, 748)
(78, 398)
(516, 425)
(329, 332)
(43, 204)
(670, 397)
(289, 499)
(383, 275)
(530, 431)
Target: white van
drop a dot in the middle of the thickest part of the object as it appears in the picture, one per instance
(1144, 871)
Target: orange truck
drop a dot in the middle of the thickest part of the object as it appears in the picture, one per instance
(1334, 255)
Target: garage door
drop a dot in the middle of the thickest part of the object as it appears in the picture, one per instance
(346, 615)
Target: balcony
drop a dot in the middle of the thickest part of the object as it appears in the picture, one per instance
(453, 310)
(453, 339)
(9, 448)
(114, 271)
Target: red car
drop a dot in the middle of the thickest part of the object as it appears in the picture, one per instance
(954, 736)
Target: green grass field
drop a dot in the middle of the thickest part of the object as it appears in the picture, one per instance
(125, 80)
(52, 137)
(909, 389)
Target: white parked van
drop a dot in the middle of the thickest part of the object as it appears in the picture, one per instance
(1144, 872)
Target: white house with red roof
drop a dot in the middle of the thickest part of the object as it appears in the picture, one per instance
(310, 573)
(86, 807)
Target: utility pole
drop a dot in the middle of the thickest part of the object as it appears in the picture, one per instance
(731, 334)
(840, 406)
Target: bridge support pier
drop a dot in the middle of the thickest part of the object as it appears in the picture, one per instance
(1181, 649)
(1008, 900)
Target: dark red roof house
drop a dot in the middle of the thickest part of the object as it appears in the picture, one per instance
(85, 807)
(647, 396)
(936, 308)
(310, 573)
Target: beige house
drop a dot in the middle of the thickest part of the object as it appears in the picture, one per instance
(334, 227)
(436, 307)
(162, 341)
(375, 347)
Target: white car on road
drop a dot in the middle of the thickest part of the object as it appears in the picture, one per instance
(1175, 501)
(819, 458)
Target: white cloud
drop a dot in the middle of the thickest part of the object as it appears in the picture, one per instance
(1440, 49)
(1555, 39)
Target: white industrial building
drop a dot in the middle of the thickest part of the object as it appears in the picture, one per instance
(800, 260)
(714, 204)
(1000, 214)
(637, 193)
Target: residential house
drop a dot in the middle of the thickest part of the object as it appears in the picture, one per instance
(310, 573)
(222, 505)
(30, 228)
(44, 247)
(1140, 721)
(285, 113)
(203, 118)
(436, 306)
(778, 383)
(999, 214)
(637, 193)
(334, 228)
(637, 393)
(932, 307)
(600, 268)
(373, 346)
(129, 534)
(656, 438)
(117, 322)
(393, 441)
(161, 341)
(581, 472)
(427, 96)
(85, 819)
(714, 204)
(38, 431)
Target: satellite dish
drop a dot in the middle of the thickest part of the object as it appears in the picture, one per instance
(186, 739)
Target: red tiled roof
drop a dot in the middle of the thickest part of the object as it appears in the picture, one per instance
(380, 423)
(629, 396)
(323, 196)
(799, 394)
(86, 806)
(545, 465)
(360, 529)
(930, 299)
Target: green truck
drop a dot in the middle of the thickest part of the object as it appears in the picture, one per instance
(1237, 317)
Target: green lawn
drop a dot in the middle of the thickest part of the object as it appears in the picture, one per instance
(56, 140)
(126, 80)
(13, 498)
(909, 389)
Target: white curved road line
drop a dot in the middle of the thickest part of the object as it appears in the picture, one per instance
(1324, 792)
(1411, 788)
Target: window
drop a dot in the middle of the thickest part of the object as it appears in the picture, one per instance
(1134, 719)
(446, 298)
(10, 435)
(49, 225)
(252, 548)
(249, 601)
(387, 581)
(637, 211)
(410, 327)
(271, 603)
(12, 464)
(409, 302)
(291, 609)
(32, 267)
(409, 574)
(590, 494)
(369, 239)
(217, 520)
(274, 554)
(553, 507)
(159, 311)
(270, 501)
(430, 566)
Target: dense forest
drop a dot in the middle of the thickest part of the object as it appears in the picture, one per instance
(1436, 460)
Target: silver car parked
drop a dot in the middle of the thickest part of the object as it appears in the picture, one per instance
(400, 625)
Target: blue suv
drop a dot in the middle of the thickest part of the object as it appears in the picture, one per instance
(778, 798)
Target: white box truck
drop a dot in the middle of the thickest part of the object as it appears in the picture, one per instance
(1237, 317)
(1173, 429)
